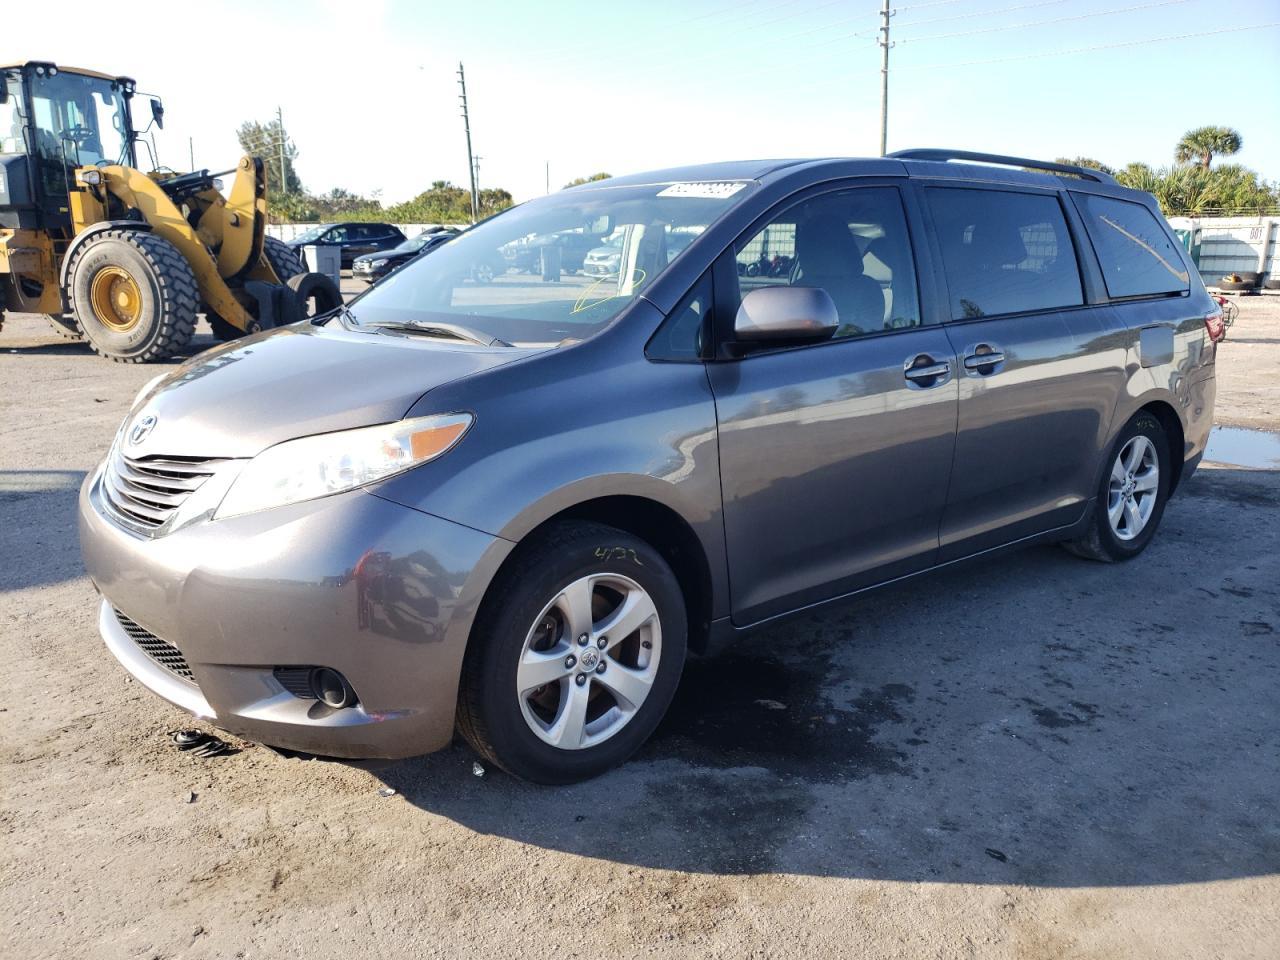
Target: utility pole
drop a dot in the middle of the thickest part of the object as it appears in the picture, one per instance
(471, 162)
(548, 176)
(885, 14)
(191, 148)
(284, 184)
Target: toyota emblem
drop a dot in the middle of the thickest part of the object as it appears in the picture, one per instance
(142, 429)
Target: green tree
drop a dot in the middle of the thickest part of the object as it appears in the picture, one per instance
(1204, 143)
(1085, 162)
(264, 140)
(445, 203)
(591, 179)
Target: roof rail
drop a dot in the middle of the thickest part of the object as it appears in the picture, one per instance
(929, 153)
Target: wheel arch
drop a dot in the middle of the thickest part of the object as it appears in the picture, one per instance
(1171, 423)
(658, 525)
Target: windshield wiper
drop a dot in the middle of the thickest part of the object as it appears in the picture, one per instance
(452, 330)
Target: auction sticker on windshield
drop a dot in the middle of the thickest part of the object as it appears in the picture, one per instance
(715, 191)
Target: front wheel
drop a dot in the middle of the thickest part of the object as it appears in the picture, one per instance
(133, 294)
(1132, 494)
(575, 655)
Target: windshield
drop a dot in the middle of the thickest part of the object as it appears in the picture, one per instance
(80, 120)
(311, 235)
(418, 242)
(541, 295)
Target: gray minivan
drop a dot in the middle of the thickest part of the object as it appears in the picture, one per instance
(512, 508)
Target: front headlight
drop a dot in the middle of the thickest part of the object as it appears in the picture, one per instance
(330, 463)
(377, 263)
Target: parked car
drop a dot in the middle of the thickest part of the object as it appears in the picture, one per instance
(374, 266)
(605, 260)
(352, 239)
(524, 508)
(526, 253)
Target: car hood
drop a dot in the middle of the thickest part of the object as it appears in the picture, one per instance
(238, 399)
(384, 255)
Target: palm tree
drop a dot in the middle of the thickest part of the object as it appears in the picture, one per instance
(1205, 143)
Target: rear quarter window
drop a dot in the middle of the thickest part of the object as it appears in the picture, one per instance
(1136, 254)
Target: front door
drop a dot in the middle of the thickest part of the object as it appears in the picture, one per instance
(835, 457)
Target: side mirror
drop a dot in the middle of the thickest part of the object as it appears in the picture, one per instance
(786, 313)
(157, 113)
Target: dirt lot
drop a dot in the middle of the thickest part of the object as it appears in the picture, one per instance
(1036, 757)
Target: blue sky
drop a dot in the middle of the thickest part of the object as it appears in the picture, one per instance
(369, 90)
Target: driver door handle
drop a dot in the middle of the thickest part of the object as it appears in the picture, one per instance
(922, 371)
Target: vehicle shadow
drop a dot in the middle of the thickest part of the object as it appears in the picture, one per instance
(1034, 719)
(39, 541)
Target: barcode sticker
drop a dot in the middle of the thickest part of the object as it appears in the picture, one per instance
(711, 191)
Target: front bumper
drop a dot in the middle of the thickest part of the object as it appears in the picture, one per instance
(363, 271)
(382, 593)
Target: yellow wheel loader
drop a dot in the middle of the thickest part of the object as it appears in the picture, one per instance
(124, 259)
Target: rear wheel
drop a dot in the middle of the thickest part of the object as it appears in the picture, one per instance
(1132, 495)
(284, 260)
(575, 656)
(133, 295)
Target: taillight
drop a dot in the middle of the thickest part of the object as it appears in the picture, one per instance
(1214, 326)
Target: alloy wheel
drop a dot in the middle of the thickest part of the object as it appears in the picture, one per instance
(1133, 488)
(589, 661)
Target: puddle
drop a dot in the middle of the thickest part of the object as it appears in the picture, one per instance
(1239, 447)
(741, 711)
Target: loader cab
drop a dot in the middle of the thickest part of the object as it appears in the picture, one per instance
(53, 120)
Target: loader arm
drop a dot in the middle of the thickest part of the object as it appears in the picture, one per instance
(241, 241)
(235, 227)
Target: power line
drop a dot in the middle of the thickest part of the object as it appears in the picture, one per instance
(983, 13)
(1042, 23)
(1101, 46)
(935, 3)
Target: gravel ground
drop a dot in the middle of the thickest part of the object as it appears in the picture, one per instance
(1035, 757)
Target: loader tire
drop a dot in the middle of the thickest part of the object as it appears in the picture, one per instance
(133, 295)
(284, 260)
(316, 294)
(65, 326)
(222, 330)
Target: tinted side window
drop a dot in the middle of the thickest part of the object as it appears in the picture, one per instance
(1135, 253)
(337, 234)
(1004, 252)
(853, 244)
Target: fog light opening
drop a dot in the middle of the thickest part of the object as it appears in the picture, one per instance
(331, 688)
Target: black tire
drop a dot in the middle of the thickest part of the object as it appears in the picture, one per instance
(168, 294)
(490, 716)
(315, 293)
(1100, 542)
(284, 260)
(222, 330)
(65, 326)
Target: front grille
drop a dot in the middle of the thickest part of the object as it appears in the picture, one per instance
(146, 492)
(165, 654)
